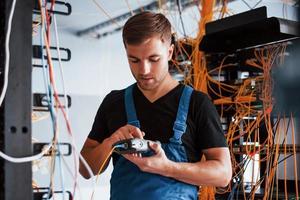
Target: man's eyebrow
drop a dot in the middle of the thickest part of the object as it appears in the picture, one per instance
(151, 56)
(130, 56)
(154, 55)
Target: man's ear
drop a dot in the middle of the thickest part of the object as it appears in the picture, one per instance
(170, 51)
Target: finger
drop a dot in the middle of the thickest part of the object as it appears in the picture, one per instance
(117, 136)
(127, 135)
(155, 147)
(127, 156)
(143, 133)
(135, 132)
(124, 133)
(121, 136)
(130, 157)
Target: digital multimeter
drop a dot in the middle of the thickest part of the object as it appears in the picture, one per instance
(134, 145)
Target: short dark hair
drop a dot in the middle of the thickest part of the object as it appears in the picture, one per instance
(145, 25)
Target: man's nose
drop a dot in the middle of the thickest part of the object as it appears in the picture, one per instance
(145, 67)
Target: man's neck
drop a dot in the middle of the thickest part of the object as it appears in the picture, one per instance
(166, 86)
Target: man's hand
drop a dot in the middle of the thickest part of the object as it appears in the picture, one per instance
(157, 164)
(216, 170)
(95, 153)
(125, 132)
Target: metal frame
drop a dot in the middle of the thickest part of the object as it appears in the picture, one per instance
(17, 104)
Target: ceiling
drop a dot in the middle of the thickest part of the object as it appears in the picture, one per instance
(88, 13)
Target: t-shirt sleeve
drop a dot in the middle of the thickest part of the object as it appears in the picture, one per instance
(99, 129)
(210, 128)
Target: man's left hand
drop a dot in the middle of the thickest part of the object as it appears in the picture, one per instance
(158, 163)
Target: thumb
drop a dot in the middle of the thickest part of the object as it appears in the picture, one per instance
(155, 147)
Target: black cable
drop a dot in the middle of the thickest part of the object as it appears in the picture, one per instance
(251, 8)
(283, 159)
(256, 4)
(179, 10)
(247, 4)
(275, 164)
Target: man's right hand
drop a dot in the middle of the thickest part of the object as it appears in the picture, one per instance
(125, 132)
(95, 152)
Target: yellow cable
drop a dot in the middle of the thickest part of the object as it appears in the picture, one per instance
(100, 170)
(295, 160)
(284, 166)
(102, 9)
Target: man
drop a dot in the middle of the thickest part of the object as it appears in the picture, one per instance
(183, 120)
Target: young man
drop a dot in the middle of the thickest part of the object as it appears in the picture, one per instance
(183, 120)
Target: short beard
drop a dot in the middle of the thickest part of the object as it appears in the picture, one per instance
(147, 87)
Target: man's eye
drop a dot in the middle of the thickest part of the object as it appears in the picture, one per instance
(154, 60)
(134, 61)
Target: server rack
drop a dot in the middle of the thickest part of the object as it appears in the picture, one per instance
(15, 133)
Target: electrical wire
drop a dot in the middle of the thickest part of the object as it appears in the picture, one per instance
(65, 114)
(25, 159)
(140, 5)
(250, 100)
(64, 95)
(127, 3)
(180, 16)
(100, 170)
(245, 2)
(7, 52)
(52, 171)
(46, 79)
(61, 66)
(65, 99)
(295, 159)
(240, 100)
(62, 176)
(248, 117)
(224, 9)
(51, 107)
(48, 89)
(103, 11)
(257, 4)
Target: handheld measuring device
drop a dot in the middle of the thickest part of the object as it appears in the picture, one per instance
(134, 145)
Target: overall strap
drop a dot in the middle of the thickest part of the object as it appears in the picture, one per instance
(130, 108)
(183, 108)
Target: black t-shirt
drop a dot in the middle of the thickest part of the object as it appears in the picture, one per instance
(203, 131)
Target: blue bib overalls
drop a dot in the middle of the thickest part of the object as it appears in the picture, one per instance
(128, 182)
